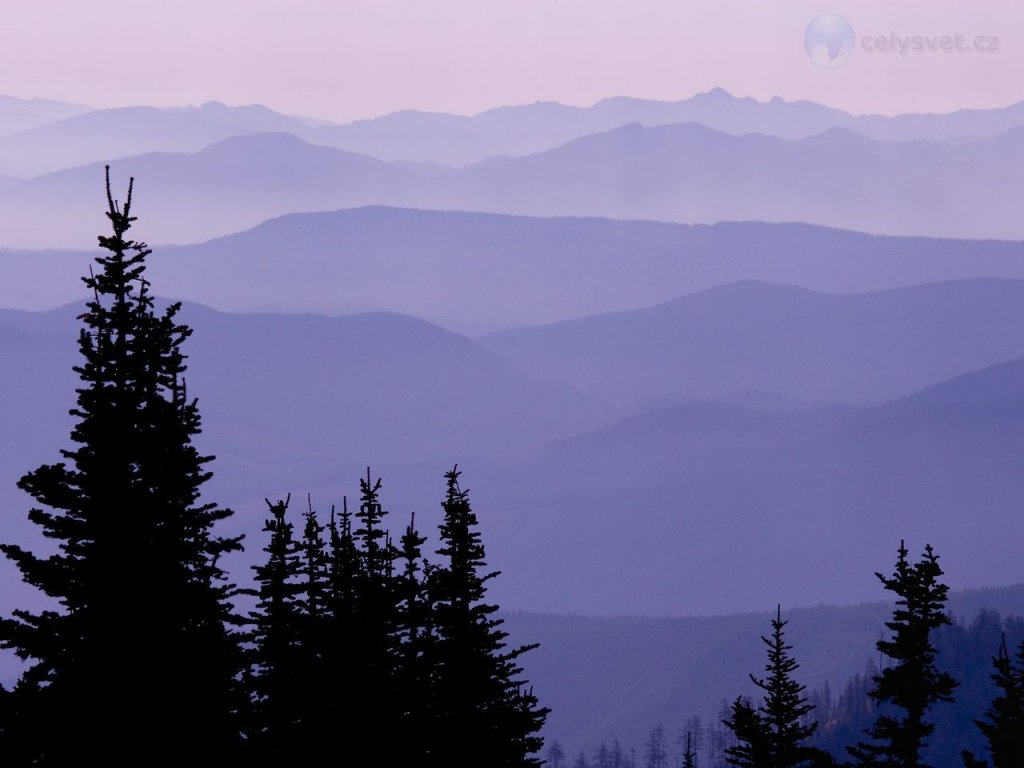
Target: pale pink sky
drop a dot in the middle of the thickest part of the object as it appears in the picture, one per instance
(343, 59)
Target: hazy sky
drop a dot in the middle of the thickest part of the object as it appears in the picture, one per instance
(342, 59)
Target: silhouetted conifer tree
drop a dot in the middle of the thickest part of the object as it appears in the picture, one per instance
(692, 732)
(314, 569)
(774, 734)
(135, 657)
(689, 752)
(751, 748)
(914, 683)
(315, 622)
(785, 708)
(484, 715)
(338, 641)
(414, 677)
(343, 578)
(372, 668)
(278, 664)
(1004, 723)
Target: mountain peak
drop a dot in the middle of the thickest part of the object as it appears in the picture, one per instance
(715, 94)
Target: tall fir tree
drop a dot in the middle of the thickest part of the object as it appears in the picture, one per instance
(136, 655)
(276, 677)
(785, 708)
(373, 668)
(484, 713)
(314, 568)
(414, 677)
(1003, 725)
(339, 629)
(913, 684)
(314, 681)
(689, 752)
(774, 735)
(751, 748)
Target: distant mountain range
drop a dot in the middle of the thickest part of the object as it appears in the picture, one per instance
(448, 139)
(18, 115)
(213, 170)
(679, 173)
(231, 185)
(528, 129)
(477, 272)
(611, 502)
(75, 136)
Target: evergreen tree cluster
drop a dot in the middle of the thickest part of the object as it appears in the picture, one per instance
(140, 656)
(985, 699)
(904, 693)
(887, 717)
(693, 744)
(354, 632)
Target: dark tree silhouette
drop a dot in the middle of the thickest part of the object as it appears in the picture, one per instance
(372, 667)
(140, 610)
(914, 683)
(751, 749)
(775, 734)
(689, 752)
(1004, 723)
(414, 676)
(483, 713)
(314, 568)
(338, 631)
(785, 708)
(278, 668)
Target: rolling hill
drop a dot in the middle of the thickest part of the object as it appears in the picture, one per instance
(691, 493)
(484, 272)
(18, 115)
(678, 173)
(104, 135)
(571, 492)
(227, 186)
(791, 342)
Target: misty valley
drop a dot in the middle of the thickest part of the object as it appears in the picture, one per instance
(647, 434)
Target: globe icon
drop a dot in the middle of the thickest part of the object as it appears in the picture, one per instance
(829, 41)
